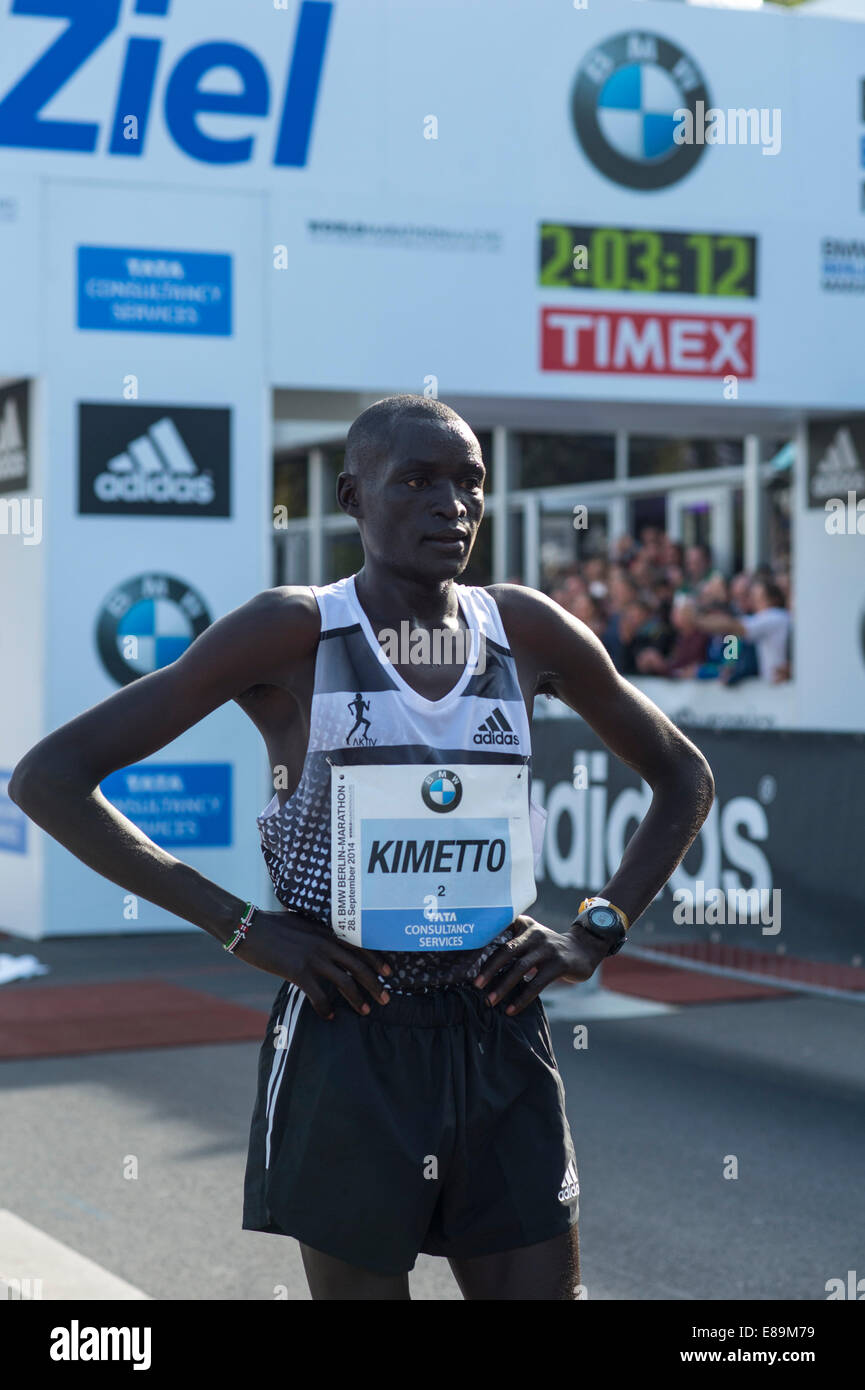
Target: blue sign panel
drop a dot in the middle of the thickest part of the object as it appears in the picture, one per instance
(175, 804)
(148, 291)
(13, 822)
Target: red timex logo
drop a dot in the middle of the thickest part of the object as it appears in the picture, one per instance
(591, 340)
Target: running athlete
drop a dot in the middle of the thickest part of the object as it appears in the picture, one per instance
(408, 1094)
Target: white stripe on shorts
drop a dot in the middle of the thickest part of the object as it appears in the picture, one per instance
(293, 1002)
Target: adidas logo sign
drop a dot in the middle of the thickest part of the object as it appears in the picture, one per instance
(570, 1184)
(156, 467)
(496, 729)
(840, 469)
(13, 457)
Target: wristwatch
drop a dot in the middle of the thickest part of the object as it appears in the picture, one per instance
(601, 919)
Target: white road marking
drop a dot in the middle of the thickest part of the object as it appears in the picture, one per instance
(569, 1006)
(35, 1265)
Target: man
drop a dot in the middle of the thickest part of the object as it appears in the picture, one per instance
(641, 629)
(408, 1099)
(698, 567)
(622, 591)
(767, 627)
(688, 651)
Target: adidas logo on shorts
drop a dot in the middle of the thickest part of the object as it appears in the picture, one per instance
(496, 729)
(570, 1183)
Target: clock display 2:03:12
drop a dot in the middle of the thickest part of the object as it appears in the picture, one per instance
(647, 261)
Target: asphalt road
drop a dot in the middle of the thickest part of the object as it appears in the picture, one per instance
(657, 1105)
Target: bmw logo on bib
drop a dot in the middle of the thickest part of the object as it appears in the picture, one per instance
(442, 790)
(624, 105)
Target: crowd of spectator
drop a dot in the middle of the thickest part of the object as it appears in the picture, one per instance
(663, 609)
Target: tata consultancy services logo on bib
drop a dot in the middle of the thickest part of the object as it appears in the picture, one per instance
(442, 790)
(624, 101)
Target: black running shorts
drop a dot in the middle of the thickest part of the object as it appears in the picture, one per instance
(435, 1123)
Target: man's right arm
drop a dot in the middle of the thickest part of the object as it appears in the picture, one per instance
(57, 782)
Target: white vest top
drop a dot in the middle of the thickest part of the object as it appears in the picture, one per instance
(363, 712)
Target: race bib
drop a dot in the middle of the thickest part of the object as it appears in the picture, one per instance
(428, 858)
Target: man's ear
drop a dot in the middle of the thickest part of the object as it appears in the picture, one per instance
(347, 494)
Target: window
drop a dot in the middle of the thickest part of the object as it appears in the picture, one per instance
(516, 561)
(343, 554)
(290, 485)
(650, 456)
(738, 529)
(553, 460)
(479, 569)
(558, 546)
(485, 439)
(779, 505)
(334, 464)
(290, 558)
(647, 511)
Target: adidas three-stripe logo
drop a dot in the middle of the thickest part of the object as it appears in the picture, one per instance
(155, 467)
(496, 729)
(570, 1183)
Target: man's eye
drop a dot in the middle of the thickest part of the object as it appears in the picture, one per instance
(411, 481)
(471, 482)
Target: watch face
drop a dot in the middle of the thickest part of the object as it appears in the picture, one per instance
(603, 917)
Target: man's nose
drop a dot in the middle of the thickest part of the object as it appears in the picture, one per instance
(449, 503)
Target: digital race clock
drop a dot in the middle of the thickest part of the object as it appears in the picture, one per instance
(646, 261)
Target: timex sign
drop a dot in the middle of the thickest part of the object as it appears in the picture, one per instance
(152, 460)
(585, 340)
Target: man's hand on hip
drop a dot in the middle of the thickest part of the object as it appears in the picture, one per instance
(534, 958)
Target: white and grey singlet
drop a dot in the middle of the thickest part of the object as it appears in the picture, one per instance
(367, 722)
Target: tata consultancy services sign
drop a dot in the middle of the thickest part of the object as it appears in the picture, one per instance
(148, 291)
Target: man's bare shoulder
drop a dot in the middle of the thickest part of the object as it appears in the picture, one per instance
(287, 617)
(258, 643)
(523, 608)
(516, 594)
(294, 603)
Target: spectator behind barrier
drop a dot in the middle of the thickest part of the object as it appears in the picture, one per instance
(689, 648)
(767, 626)
(666, 610)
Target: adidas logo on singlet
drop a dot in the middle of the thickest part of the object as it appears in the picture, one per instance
(496, 729)
(570, 1183)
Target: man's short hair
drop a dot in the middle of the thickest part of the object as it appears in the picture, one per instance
(369, 438)
(773, 592)
(704, 549)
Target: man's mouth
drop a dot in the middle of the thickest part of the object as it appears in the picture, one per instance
(449, 540)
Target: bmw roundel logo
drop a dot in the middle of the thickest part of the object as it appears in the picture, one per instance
(146, 623)
(623, 104)
(442, 790)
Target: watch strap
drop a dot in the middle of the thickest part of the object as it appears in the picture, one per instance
(604, 902)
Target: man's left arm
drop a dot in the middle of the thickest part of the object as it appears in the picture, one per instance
(570, 662)
(721, 624)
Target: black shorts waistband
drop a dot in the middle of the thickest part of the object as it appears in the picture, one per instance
(436, 1008)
